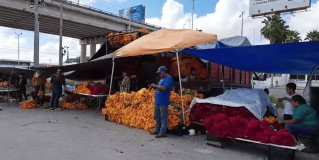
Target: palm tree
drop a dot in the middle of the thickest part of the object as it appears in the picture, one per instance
(312, 36)
(275, 29)
(293, 36)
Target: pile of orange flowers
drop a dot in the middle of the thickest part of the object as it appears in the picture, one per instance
(121, 39)
(270, 119)
(83, 88)
(186, 63)
(4, 84)
(28, 104)
(136, 109)
(73, 105)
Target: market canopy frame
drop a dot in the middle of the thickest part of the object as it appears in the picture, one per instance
(163, 40)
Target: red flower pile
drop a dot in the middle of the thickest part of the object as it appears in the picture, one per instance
(228, 122)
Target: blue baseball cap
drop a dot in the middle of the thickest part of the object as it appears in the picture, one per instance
(161, 69)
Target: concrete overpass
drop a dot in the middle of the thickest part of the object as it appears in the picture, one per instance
(85, 23)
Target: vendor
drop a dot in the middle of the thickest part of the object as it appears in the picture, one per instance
(125, 84)
(38, 83)
(288, 108)
(57, 80)
(192, 75)
(304, 120)
(271, 109)
(22, 87)
(162, 97)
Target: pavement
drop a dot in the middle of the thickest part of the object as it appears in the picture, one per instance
(40, 134)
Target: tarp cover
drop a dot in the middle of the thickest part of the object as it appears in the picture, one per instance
(255, 100)
(164, 40)
(293, 58)
(16, 71)
(235, 41)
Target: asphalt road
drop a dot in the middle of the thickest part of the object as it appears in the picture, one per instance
(84, 135)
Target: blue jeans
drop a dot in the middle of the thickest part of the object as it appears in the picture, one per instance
(56, 94)
(160, 112)
(297, 129)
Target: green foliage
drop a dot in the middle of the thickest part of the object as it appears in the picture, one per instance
(293, 37)
(275, 29)
(274, 99)
(312, 36)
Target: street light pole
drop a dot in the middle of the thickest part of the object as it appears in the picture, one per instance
(18, 34)
(67, 52)
(60, 40)
(242, 23)
(36, 33)
(193, 14)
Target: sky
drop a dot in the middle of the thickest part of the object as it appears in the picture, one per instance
(220, 17)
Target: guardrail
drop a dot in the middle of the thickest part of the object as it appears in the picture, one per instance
(102, 12)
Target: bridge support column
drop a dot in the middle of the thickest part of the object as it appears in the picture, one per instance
(83, 53)
(92, 49)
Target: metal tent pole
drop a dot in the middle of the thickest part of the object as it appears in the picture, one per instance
(111, 82)
(180, 86)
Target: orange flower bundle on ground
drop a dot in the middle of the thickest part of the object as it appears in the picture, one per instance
(186, 64)
(4, 84)
(136, 109)
(81, 106)
(28, 104)
(73, 105)
(83, 88)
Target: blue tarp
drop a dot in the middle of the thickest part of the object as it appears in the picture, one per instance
(292, 58)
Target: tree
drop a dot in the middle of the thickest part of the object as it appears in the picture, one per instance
(293, 36)
(312, 36)
(275, 29)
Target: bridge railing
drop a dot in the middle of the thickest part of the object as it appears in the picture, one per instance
(102, 12)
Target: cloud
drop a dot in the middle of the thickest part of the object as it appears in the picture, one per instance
(9, 45)
(49, 48)
(225, 21)
(304, 22)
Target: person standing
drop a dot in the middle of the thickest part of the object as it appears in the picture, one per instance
(22, 87)
(38, 83)
(125, 84)
(162, 95)
(288, 107)
(57, 80)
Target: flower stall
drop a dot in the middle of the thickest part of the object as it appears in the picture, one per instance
(136, 109)
(239, 114)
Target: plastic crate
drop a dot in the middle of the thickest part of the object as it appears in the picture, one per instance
(309, 142)
(276, 153)
(213, 140)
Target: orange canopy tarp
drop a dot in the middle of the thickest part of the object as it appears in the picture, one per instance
(164, 40)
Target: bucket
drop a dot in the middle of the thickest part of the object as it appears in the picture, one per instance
(192, 132)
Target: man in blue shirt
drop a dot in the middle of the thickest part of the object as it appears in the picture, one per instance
(162, 94)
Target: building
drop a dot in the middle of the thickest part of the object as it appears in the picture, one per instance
(280, 80)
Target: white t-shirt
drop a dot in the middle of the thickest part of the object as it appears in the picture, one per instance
(289, 109)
